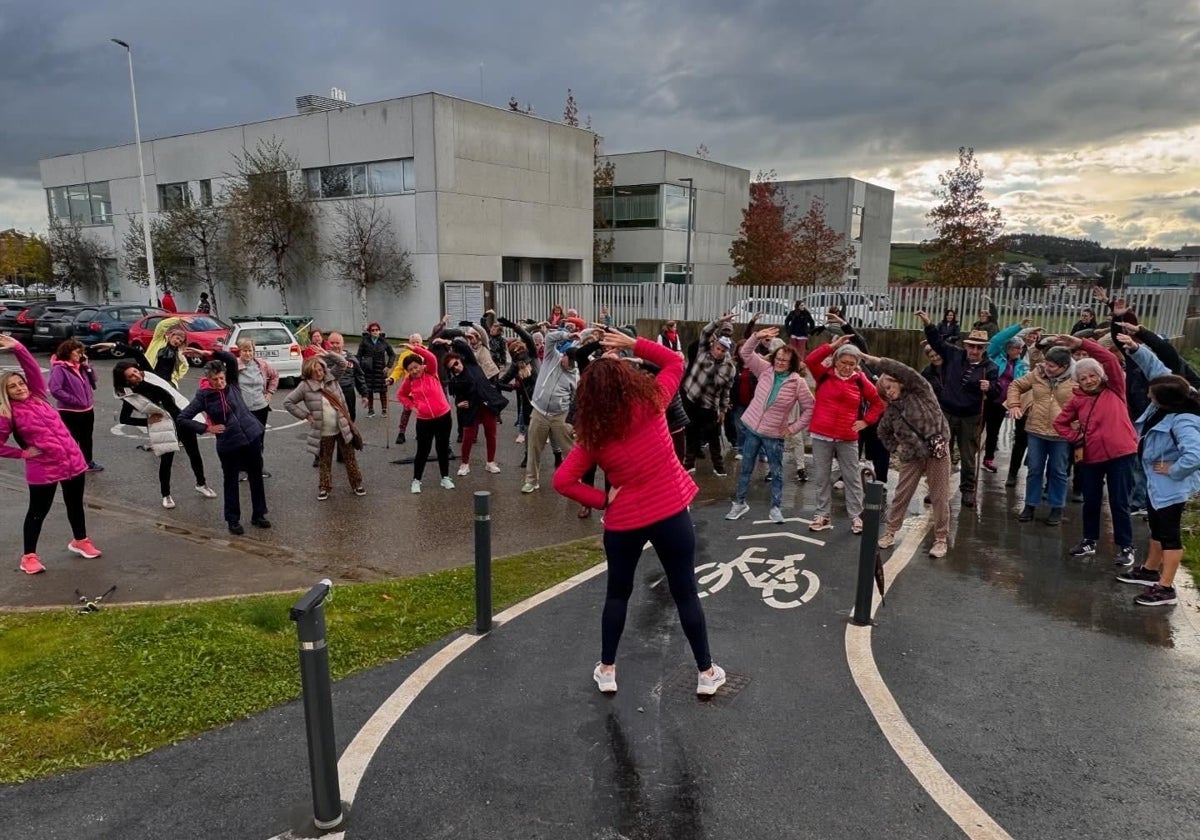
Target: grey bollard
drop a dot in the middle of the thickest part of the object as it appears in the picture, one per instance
(309, 615)
(872, 513)
(483, 561)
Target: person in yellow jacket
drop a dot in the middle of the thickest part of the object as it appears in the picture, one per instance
(167, 353)
(397, 376)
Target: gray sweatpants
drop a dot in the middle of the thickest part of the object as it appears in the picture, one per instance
(846, 452)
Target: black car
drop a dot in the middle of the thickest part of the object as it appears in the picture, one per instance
(41, 338)
(91, 324)
(19, 322)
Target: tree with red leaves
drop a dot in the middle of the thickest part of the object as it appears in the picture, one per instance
(766, 251)
(824, 255)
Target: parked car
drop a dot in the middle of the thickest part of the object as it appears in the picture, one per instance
(19, 322)
(93, 324)
(861, 309)
(273, 342)
(6, 304)
(12, 290)
(47, 324)
(204, 332)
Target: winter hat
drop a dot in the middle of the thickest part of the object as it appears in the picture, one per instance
(1060, 356)
(576, 324)
(774, 344)
(725, 342)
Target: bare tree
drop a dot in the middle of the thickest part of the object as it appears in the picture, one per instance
(205, 233)
(272, 223)
(78, 260)
(172, 261)
(363, 251)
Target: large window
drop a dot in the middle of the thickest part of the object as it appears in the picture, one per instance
(856, 222)
(206, 198)
(675, 208)
(626, 273)
(173, 196)
(674, 273)
(384, 177)
(87, 204)
(627, 207)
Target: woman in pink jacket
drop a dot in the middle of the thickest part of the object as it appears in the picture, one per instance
(51, 455)
(422, 392)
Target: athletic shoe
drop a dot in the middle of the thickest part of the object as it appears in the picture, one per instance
(856, 527)
(416, 485)
(1125, 556)
(322, 495)
(236, 529)
(775, 515)
(1026, 514)
(360, 491)
(802, 475)
(94, 467)
(521, 438)
(720, 473)
(527, 487)
(1137, 511)
(400, 438)
(738, 510)
(939, 549)
(31, 565)
(1157, 596)
(707, 686)
(1077, 498)
(1140, 576)
(1055, 517)
(85, 548)
(887, 540)
(371, 413)
(168, 502)
(1010, 482)
(989, 465)
(1085, 548)
(820, 523)
(447, 484)
(465, 469)
(968, 499)
(690, 470)
(492, 467)
(260, 522)
(206, 491)
(737, 457)
(605, 681)
(266, 474)
(243, 477)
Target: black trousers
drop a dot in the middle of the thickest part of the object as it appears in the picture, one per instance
(993, 418)
(81, 425)
(876, 452)
(248, 460)
(41, 497)
(705, 427)
(190, 444)
(431, 433)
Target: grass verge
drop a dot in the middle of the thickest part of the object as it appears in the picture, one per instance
(80, 690)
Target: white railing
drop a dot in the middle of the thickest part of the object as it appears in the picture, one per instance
(1163, 310)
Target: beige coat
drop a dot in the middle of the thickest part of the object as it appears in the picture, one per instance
(306, 399)
(1042, 401)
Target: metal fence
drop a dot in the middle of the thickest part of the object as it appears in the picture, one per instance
(1054, 309)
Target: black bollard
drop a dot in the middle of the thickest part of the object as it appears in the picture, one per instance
(309, 615)
(872, 513)
(483, 561)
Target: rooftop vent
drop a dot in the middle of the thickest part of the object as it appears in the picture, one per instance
(313, 103)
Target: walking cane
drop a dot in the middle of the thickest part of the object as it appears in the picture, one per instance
(979, 447)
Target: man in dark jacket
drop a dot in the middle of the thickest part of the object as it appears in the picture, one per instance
(799, 324)
(967, 376)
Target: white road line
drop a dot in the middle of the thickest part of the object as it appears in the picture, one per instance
(786, 519)
(966, 813)
(777, 534)
(357, 756)
(120, 430)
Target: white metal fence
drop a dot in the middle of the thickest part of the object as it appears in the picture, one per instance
(1162, 310)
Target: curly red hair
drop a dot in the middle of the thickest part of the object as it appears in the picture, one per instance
(612, 396)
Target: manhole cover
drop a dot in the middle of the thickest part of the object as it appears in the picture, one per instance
(683, 681)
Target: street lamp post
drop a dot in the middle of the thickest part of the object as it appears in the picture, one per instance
(137, 139)
(687, 259)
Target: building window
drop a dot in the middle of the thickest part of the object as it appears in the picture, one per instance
(856, 222)
(675, 208)
(627, 207)
(626, 273)
(173, 196)
(675, 273)
(87, 204)
(384, 177)
(206, 199)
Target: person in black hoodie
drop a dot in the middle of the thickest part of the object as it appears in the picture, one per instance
(377, 359)
(799, 324)
(478, 399)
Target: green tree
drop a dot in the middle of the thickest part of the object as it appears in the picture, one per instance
(24, 258)
(77, 259)
(967, 243)
(172, 260)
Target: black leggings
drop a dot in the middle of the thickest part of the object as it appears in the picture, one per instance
(187, 439)
(81, 424)
(430, 432)
(674, 539)
(41, 497)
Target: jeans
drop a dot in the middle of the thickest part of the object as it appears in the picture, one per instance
(1118, 474)
(1137, 495)
(1047, 458)
(772, 448)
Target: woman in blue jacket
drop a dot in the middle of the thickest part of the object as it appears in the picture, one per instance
(239, 438)
(1009, 351)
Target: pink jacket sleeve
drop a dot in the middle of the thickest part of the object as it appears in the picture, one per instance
(671, 372)
(33, 373)
(807, 401)
(6, 451)
(579, 461)
(757, 364)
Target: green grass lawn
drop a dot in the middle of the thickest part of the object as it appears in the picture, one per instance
(77, 690)
(907, 259)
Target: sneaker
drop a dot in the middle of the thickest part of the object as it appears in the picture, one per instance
(416, 485)
(887, 540)
(720, 473)
(400, 438)
(31, 565)
(939, 549)
(1157, 596)
(447, 484)
(1010, 482)
(206, 491)
(243, 477)
(94, 467)
(168, 502)
(1085, 548)
(371, 413)
(266, 474)
(322, 495)
(1137, 511)
(776, 515)
(1139, 575)
(236, 529)
(606, 681)
(989, 465)
(820, 523)
(856, 527)
(260, 522)
(1055, 517)
(1026, 514)
(707, 686)
(492, 467)
(690, 470)
(802, 475)
(521, 438)
(465, 469)
(738, 510)
(737, 457)
(1077, 498)
(84, 547)
(1125, 556)
(360, 491)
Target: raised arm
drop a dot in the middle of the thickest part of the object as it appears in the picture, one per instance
(523, 334)
(670, 372)
(757, 364)
(29, 366)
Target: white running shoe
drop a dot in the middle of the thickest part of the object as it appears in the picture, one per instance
(738, 510)
(776, 515)
(605, 681)
(528, 487)
(465, 469)
(416, 485)
(168, 502)
(492, 467)
(707, 686)
(206, 491)
(447, 484)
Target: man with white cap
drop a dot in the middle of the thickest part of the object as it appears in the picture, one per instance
(707, 391)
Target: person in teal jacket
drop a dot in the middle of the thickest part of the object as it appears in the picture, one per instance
(1009, 351)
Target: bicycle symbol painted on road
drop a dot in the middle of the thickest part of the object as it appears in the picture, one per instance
(780, 581)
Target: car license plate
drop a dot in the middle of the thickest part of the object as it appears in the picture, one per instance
(266, 354)
(43, 329)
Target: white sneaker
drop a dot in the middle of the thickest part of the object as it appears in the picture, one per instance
(447, 484)
(416, 485)
(738, 510)
(168, 502)
(605, 681)
(527, 487)
(737, 457)
(492, 467)
(706, 685)
(776, 515)
(206, 491)
(465, 469)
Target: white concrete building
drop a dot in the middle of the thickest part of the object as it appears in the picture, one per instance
(646, 216)
(476, 193)
(861, 213)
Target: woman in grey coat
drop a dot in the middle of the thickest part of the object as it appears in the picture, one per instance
(318, 399)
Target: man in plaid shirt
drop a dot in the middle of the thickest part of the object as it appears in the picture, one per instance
(707, 390)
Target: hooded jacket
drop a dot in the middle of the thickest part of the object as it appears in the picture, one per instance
(376, 357)
(166, 360)
(424, 394)
(154, 395)
(474, 387)
(770, 420)
(1099, 421)
(1045, 397)
(916, 417)
(223, 408)
(72, 385)
(37, 424)
(554, 390)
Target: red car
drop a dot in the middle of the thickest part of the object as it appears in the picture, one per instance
(204, 332)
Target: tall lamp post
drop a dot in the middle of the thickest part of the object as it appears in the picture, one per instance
(687, 259)
(137, 139)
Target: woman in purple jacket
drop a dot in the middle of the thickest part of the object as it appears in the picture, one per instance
(51, 455)
(72, 383)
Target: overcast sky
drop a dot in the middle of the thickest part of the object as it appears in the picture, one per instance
(1083, 113)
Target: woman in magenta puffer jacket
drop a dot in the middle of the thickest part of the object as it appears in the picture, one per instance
(51, 455)
(72, 383)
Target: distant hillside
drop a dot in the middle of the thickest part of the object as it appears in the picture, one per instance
(907, 259)
(1058, 249)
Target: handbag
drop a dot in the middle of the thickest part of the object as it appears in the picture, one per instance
(936, 443)
(356, 439)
